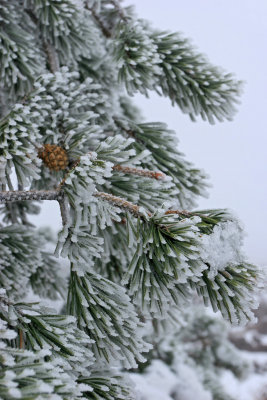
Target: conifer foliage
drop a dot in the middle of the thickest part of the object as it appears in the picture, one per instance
(131, 248)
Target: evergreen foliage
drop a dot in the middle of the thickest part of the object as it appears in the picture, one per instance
(199, 343)
(128, 251)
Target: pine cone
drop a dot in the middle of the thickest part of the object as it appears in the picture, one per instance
(53, 156)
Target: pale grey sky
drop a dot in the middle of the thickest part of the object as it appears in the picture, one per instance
(233, 35)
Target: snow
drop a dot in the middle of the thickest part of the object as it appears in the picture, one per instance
(222, 247)
(250, 389)
(160, 383)
(156, 384)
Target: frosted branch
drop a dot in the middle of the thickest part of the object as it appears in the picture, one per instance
(63, 209)
(139, 171)
(99, 22)
(122, 203)
(51, 54)
(182, 213)
(119, 9)
(58, 194)
(52, 57)
(22, 195)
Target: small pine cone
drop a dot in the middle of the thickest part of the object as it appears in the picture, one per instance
(53, 156)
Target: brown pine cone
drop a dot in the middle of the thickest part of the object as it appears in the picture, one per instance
(53, 156)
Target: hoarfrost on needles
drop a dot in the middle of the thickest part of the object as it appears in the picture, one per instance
(222, 247)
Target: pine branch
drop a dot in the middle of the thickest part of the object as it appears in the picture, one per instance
(11, 213)
(63, 209)
(38, 329)
(209, 218)
(52, 57)
(21, 341)
(119, 9)
(165, 157)
(182, 213)
(16, 195)
(9, 206)
(122, 203)
(49, 49)
(99, 22)
(22, 195)
(22, 212)
(9, 196)
(139, 171)
(158, 175)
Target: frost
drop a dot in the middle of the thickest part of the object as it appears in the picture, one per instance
(162, 260)
(222, 247)
(19, 247)
(114, 310)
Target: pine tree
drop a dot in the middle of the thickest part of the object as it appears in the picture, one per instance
(135, 250)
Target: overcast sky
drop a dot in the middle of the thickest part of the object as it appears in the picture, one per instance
(233, 35)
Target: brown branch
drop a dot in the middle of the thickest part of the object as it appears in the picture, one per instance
(99, 22)
(52, 57)
(64, 211)
(139, 171)
(21, 341)
(49, 49)
(119, 9)
(123, 169)
(32, 15)
(131, 133)
(107, 32)
(122, 203)
(182, 213)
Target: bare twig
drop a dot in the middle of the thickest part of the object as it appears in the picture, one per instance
(122, 203)
(139, 171)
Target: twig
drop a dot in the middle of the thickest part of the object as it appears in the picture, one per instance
(99, 22)
(183, 213)
(18, 195)
(52, 57)
(139, 171)
(22, 212)
(64, 209)
(21, 341)
(129, 132)
(119, 9)
(58, 195)
(9, 206)
(122, 203)
(123, 169)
